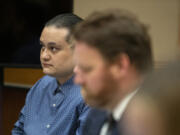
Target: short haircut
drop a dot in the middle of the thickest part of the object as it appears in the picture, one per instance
(115, 32)
(65, 20)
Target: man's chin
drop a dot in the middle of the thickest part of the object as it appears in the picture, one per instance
(96, 103)
(47, 72)
(92, 100)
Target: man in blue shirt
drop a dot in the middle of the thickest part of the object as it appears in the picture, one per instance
(54, 105)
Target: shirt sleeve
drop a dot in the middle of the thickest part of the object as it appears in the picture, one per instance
(19, 125)
(83, 113)
(18, 128)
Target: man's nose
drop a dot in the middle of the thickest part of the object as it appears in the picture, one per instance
(78, 76)
(45, 54)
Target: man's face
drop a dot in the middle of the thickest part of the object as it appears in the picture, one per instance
(93, 73)
(56, 54)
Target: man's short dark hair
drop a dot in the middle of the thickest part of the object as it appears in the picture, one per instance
(115, 32)
(65, 20)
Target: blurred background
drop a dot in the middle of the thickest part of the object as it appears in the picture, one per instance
(21, 24)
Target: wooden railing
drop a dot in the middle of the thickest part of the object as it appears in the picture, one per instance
(15, 81)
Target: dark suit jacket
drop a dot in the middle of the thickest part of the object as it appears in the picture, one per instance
(96, 119)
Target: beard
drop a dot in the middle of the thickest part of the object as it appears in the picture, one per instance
(105, 96)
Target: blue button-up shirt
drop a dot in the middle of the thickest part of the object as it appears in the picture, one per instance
(51, 109)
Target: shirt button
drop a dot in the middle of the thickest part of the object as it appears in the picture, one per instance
(54, 105)
(48, 126)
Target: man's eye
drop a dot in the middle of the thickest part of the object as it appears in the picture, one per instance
(86, 69)
(42, 47)
(54, 49)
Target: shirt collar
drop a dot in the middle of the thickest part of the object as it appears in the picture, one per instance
(118, 111)
(63, 87)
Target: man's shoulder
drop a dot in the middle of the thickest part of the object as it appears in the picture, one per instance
(45, 82)
(102, 114)
(95, 120)
(48, 78)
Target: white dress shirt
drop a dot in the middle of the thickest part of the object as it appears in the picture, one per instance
(118, 111)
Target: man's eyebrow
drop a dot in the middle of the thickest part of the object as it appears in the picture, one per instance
(48, 44)
(84, 66)
(51, 43)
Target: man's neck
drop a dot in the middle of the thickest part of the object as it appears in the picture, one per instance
(62, 80)
(124, 89)
(121, 106)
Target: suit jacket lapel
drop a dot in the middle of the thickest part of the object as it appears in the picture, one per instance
(95, 120)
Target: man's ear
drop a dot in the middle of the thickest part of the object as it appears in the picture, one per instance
(120, 66)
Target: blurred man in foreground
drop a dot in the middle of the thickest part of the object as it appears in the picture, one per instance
(112, 56)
